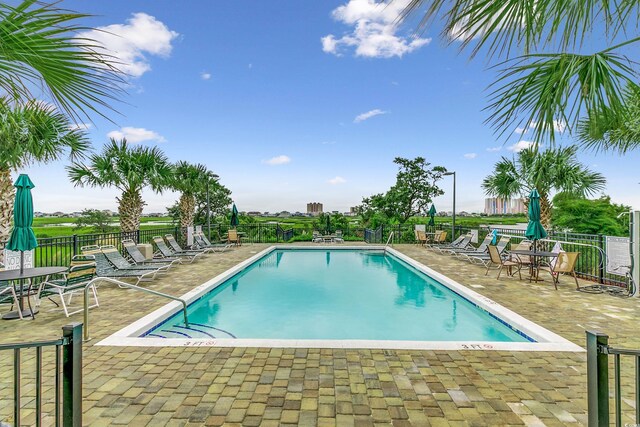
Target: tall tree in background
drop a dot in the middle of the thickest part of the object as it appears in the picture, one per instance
(551, 170)
(188, 179)
(130, 169)
(582, 215)
(40, 50)
(32, 133)
(219, 202)
(547, 78)
(411, 195)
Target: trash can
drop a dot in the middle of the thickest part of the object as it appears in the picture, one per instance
(146, 249)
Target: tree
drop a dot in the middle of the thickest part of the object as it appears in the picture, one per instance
(582, 215)
(188, 179)
(130, 169)
(98, 220)
(551, 170)
(546, 80)
(31, 133)
(411, 195)
(219, 202)
(40, 48)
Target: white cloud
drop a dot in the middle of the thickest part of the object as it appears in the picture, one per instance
(366, 116)
(135, 135)
(337, 180)
(130, 43)
(494, 149)
(278, 160)
(520, 145)
(250, 65)
(205, 76)
(375, 27)
(559, 126)
(520, 130)
(470, 155)
(328, 142)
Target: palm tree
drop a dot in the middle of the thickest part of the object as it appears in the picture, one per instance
(188, 179)
(130, 169)
(40, 48)
(552, 170)
(546, 80)
(31, 133)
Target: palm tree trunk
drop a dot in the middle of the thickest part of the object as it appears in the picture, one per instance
(187, 209)
(545, 211)
(130, 209)
(7, 197)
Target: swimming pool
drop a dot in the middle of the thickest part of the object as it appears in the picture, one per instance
(336, 297)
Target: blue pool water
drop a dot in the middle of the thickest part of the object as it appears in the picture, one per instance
(335, 294)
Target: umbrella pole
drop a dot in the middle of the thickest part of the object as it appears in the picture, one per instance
(21, 305)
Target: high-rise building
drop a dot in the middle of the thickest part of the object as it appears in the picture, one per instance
(314, 208)
(499, 206)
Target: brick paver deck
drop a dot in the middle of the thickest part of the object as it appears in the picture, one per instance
(326, 387)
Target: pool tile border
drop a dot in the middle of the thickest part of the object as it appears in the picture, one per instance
(546, 340)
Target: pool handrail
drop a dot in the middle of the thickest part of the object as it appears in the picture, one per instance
(124, 285)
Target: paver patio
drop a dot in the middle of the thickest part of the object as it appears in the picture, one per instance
(325, 387)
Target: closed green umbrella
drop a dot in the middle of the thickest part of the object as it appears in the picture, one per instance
(535, 230)
(22, 237)
(234, 216)
(328, 224)
(432, 215)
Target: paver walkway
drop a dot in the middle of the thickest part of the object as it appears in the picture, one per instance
(271, 387)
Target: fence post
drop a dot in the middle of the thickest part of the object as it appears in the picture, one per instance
(75, 244)
(72, 375)
(600, 260)
(597, 379)
(137, 236)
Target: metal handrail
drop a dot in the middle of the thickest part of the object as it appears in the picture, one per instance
(389, 239)
(126, 285)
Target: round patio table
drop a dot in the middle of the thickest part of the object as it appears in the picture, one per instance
(536, 255)
(20, 277)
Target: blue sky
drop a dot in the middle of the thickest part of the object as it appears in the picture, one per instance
(296, 101)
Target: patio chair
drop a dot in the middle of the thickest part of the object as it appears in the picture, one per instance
(421, 237)
(566, 264)
(104, 268)
(8, 295)
(338, 238)
(81, 272)
(175, 247)
(524, 260)
(485, 258)
(501, 263)
(166, 252)
(439, 238)
(232, 237)
(316, 237)
(121, 263)
(202, 242)
(139, 259)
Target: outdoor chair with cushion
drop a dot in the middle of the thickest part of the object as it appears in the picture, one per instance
(166, 252)
(175, 247)
(121, 263)
(566, 263)
(104, 268)
(500, 263)
(81, 272)
(139, 259)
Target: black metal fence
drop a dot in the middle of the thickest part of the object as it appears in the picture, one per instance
(67, 378)
(598, 351)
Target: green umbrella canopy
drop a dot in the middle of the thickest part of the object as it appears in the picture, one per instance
(432, 214)
(234, 216)
(535, 230)
(22, 237)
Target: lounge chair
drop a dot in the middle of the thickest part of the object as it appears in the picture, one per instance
(104, 268)
(81, 272)
(166, 252)
(175, 247)
(566, 263)
(485, 258)
(139, 259)
(202, 242)
(500, 263)
(481, 249)
(121, 263)
(338, 238)
(462, 242)
(317, 237)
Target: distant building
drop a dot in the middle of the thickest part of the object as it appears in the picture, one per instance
(254, 213)
(314, 208)
(499, 206)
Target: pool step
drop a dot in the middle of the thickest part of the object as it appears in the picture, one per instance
(195, 330)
